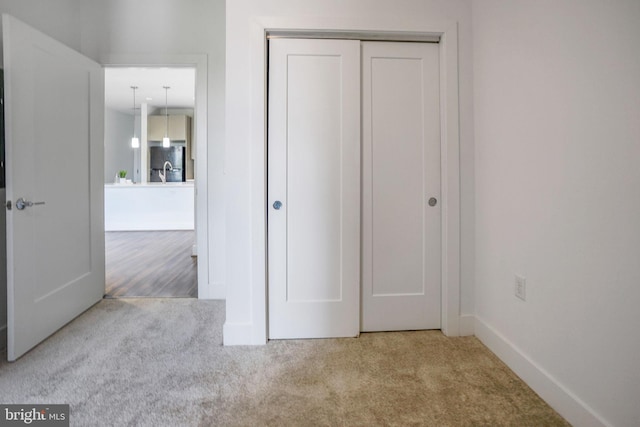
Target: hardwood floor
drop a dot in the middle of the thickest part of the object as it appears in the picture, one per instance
(150, 264)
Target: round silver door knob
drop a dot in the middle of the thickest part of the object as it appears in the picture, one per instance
(277, 205)
(433, 201)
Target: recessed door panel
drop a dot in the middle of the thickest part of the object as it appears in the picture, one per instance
(314, 147)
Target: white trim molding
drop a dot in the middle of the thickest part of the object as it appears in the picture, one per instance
(450, 167)
(387, 36)
(217, 290)
(450, 152)
(206, 290)
(467, 325)
(560, 398)
(237, 333)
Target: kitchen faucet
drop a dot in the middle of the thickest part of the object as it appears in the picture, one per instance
(163, 176)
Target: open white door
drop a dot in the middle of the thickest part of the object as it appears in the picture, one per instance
(314, 188)
(54, 101)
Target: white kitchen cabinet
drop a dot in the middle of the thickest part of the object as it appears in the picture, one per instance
(151, 206)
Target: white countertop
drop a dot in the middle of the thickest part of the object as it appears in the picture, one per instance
(152, 185)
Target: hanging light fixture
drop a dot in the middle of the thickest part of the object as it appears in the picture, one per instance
(135, 142)
(166, 142)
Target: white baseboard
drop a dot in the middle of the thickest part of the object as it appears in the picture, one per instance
(3, 337)
(237, 334)
(212, 291)
(467, 325)
(551, 390)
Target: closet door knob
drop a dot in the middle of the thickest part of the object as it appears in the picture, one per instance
(277, 205)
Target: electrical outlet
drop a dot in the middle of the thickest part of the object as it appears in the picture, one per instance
(521, 287)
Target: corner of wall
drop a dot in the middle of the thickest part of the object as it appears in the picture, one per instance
(467, 325)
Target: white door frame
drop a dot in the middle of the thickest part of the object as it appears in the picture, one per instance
(256, 332)
(199, 62)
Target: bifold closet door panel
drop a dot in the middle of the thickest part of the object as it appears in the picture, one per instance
(314, 188)
(401, 173)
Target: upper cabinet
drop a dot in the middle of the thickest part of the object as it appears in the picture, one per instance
(179, 128)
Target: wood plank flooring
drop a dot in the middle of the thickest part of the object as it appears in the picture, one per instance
(150, 264)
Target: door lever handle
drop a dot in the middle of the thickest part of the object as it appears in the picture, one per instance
(21, 203)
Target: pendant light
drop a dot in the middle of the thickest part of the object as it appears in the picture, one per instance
(135, 142)
(165, 141)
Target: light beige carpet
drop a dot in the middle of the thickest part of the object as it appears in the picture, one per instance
(160, 362)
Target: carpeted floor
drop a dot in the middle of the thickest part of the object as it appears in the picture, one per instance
(160, 362)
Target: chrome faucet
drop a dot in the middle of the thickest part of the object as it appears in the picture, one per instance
(163, 176)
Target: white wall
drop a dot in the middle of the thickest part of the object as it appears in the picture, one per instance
(556, 104)
(173, 27)
(103, 27)
(59, 19)
(243, 230)
(557, 122)
(118, 154)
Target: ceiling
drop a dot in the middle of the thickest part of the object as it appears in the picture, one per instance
(150, 82)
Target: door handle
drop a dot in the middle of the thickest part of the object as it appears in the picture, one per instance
(22, 203)
(277, 205)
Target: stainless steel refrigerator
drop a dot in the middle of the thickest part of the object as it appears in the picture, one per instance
(175, 156)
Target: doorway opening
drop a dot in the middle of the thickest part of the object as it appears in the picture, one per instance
(150, 203)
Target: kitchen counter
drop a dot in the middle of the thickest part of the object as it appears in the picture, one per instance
(151, 185)
(149, 206)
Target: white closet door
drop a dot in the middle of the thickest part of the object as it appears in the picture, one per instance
(401, 172)
(314, 173)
